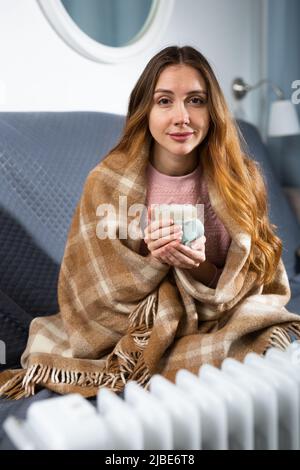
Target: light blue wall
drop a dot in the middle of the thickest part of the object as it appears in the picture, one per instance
(283, 68)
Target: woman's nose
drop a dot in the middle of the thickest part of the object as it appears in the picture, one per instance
(181, 116)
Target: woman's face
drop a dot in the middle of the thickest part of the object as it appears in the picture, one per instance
(179, 117)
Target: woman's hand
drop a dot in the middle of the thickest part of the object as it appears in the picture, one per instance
(160, 236)
(163, 239)
(184, 257)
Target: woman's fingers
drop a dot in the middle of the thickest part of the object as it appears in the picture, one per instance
(161, 242)
(196, 255)
(182, 256)
(180, 261)
(162, 232)
(185, 259)
(176, 254)
(199, 243)
(160, 228)
(162, 253)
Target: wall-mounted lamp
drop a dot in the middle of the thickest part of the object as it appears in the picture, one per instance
(283, 118)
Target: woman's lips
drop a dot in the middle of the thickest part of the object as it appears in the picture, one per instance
(181, 137)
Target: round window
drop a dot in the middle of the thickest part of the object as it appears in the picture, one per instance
(108, 30)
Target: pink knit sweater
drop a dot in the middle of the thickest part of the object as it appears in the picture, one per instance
(190, 189)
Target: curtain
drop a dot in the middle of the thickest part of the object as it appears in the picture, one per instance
(110, 22)
(283, 70)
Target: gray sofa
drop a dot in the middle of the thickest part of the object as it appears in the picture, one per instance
(44, 160)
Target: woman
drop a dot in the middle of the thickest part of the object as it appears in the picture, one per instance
(179, 121)
(129, 307)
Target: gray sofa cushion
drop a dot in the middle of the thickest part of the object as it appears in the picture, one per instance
(27, 274)
(294, 303)
(44, 160)
(28, 286)
(14, 323)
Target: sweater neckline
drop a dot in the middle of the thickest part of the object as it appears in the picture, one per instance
(152, 172)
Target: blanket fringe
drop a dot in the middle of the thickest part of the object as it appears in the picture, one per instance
(132, 365)
(13, 388)
(280, 336)
(24, 384)
(144, 314)
(128, 366)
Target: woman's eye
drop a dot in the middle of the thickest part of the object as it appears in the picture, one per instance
(197, 100)
(163, 101)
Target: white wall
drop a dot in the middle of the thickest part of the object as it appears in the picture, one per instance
(40, 72)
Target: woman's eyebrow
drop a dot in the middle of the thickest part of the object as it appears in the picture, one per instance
(162, 90)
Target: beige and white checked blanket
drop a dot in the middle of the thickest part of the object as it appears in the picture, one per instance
(125, 317)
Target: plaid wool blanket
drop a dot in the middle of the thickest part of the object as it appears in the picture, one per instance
(124, 316)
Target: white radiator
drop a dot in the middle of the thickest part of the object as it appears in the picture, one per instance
(249, 405)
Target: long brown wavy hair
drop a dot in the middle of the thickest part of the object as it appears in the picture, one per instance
(237, 177)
